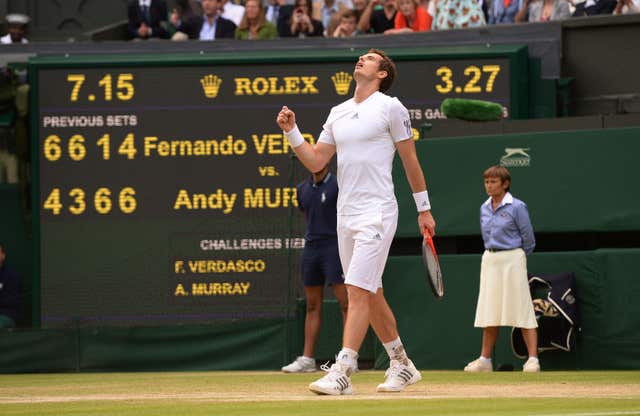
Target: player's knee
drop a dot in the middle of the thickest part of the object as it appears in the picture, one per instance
(314, 306)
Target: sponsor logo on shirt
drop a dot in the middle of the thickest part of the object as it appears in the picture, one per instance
(407, 126)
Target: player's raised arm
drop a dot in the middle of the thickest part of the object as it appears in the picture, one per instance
(313, 158)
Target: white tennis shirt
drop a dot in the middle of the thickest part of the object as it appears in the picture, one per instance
(364, 135)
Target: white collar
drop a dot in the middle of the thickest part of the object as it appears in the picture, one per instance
(506, 199)
(144, 3)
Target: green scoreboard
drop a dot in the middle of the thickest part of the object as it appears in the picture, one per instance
(164, 191)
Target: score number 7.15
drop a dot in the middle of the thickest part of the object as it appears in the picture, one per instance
(125, 89)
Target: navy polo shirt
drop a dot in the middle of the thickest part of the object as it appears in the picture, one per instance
(318, 201)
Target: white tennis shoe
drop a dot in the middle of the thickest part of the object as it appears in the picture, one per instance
(479, 366)
(398, 376)
(531, 366)
(336, 382)
(301, 365)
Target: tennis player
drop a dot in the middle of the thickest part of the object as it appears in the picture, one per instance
(365, 132)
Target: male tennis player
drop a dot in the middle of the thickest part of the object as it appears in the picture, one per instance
(365, 132)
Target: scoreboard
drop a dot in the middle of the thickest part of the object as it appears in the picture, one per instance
(164, 191)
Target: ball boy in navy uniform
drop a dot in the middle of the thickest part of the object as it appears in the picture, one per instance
(317, 199)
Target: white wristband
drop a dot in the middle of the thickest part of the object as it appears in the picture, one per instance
(422, 201)
(294, 136)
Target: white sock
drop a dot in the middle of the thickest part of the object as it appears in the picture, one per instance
(396, 351)
(485, 359)
(304, 357)
(534, 359)
(349, 357)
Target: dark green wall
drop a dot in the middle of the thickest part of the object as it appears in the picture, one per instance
(256, 345)
(440, 334)
(437, 334)
(575, 181)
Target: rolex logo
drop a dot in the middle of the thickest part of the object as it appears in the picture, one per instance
(211, 85)
(342, 82)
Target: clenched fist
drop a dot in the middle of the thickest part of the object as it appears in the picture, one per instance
(286, 119)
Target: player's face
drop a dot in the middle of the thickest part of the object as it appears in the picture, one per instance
(495, 187)
(368, 65)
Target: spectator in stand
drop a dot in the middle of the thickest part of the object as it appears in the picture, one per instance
(411, 17)
(17, 25)
(302, 25)
(9, 160)
(504, 11)
(456, 14)
(9, 294)
(627, 7)
(279, 14)
(378, 17)
(347, 26)
(484, 6)
(334, 22)
(210, 26)
(358, 8)
(543, 11)
(323, 10)
(594, 7)
(185, 10)
(231, 11)
(254, 24)
(148, 19)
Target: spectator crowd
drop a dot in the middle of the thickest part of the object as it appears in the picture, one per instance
(268, 19)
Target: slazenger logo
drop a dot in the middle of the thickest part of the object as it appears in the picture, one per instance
(516, 157)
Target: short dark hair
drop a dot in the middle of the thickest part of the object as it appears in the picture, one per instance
(308, 6)
(348, 14)
(498, 171)
(387, 65)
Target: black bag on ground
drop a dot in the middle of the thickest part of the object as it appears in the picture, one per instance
(556, 312)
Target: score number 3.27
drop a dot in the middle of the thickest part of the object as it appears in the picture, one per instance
(124, 87)
(471, 84)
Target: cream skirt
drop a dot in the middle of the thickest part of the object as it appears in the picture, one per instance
(504, 298)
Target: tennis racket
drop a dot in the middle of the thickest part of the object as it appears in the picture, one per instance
(430, 259)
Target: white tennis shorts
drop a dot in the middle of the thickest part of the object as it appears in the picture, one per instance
(364, 241)
(504, 298)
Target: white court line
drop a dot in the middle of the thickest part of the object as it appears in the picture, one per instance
(630, 412)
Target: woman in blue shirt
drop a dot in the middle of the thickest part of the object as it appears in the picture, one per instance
(504, 298)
